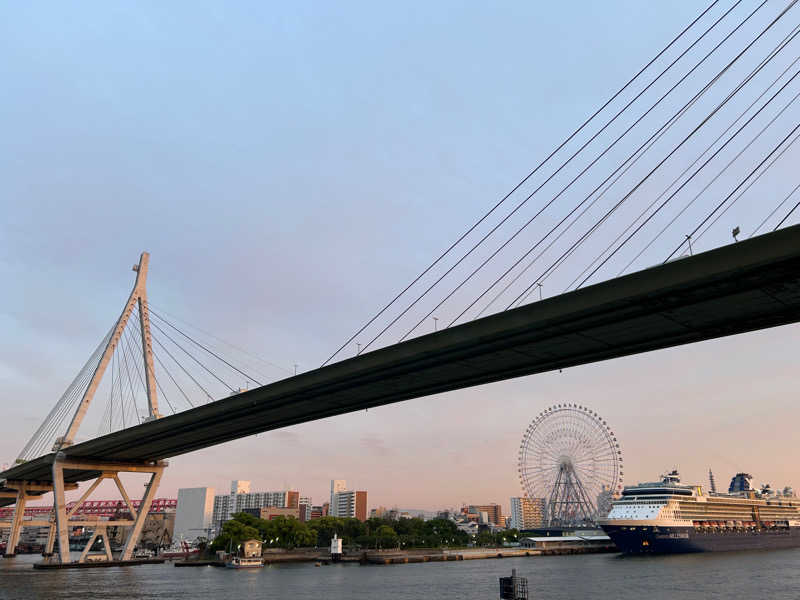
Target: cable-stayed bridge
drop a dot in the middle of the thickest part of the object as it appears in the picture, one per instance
(741, 81)
(741, 287)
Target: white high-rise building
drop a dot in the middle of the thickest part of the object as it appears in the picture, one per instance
(337, 485)
(240, 487)
(347, 503)
(194, 513)
(237, 487)
(344, 504)
(526, 513)
(240, 499)
(304, 504)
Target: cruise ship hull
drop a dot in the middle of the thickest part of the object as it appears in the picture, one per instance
(669, 540)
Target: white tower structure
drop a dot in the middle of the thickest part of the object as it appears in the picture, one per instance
(337, 485)
(237, 487)
(240, 487)
(138, 296)
(193, 513)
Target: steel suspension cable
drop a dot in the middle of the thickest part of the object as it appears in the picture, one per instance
(57, 414)
(54, 424)
(117, 388)
(138, 350)
(658, 132)
(214, 375)
(522, 182)
(134, 352)
(219, 339)
(121, 387)
(163, 394)
(197, 383)
(749, 185)
(725, 200)
(100, 351)
(107, 411)
(50, 434)
(691, 202)
(138, 336)
(783, 220)
(776, 209)
(134, 409)
(565, 188)
(660, 233)
(672, 152)
(671, 196)
(54, 414)
(163, 366)
(630, 163)
(212, 353)
(50, 427)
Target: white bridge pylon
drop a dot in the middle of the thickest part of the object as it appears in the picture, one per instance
(138, 296)
(59, 521)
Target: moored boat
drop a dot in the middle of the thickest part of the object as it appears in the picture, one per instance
(248, 556)
(244, 562)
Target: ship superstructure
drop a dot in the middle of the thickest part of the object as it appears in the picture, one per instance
(668, 516)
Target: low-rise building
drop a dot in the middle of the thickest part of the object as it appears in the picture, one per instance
(251, 548)
(494, 512)
(270, 512)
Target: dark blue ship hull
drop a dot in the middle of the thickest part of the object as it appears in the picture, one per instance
(669, 540)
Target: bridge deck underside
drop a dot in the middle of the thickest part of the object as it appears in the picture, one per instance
(742, 287)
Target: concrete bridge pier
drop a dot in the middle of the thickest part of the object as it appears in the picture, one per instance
(24, 491)
(104, 470)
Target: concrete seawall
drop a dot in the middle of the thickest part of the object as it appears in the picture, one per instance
(421, 555)
(416, 556)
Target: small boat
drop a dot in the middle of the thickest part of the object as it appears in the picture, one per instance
(244, 562)
(179, 551)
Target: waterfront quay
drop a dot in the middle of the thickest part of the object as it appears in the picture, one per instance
(546, 547)
(388, 557)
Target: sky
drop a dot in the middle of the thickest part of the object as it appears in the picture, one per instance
(292, 166)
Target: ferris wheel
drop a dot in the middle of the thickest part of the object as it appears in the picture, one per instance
(571, 459)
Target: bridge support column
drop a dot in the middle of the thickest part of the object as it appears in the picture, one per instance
(105, 470)
(101, 531)
(51, 536)
(60, 509)
(26, 490)
(144, 509)
(16, 523)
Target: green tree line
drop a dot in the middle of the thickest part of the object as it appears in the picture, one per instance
(289, 533)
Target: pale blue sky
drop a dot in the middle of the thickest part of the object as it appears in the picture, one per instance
(290, 166)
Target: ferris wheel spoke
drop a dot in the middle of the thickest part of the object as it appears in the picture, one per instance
(541, 469)
(550, 453)
(599, 458)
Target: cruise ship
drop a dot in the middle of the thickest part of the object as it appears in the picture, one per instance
(667, 517)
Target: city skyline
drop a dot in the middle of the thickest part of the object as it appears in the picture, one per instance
(282, 221)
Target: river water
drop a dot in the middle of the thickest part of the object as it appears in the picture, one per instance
(773, 575)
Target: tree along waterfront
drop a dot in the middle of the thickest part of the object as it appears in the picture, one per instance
(289, 533)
